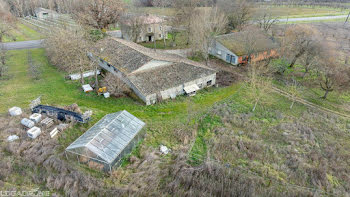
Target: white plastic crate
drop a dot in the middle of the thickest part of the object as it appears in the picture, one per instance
(27, 123)
(87, 88)
(15, 111)
(35, 117)
(34, 132)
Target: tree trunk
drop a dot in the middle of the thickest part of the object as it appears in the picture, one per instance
(306, 72)
(96, 79)
(82, 76)
(325, 94)
(296, 58)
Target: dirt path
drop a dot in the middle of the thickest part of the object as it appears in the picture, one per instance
(307, 103)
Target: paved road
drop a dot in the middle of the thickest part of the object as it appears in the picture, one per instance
(33, 44)
(312, 18)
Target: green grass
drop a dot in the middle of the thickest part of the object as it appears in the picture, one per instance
(336, 100)
(313, 21)
(199, 149)
(23, 33)
(20, 89)
(299, 11)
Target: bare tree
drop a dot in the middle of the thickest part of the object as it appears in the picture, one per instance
(209, 23)
(115, 86)
(186, 13)
(250, 42)
(3, 66)
(239, 13)
(99, 13)
(266, 21)
(258, 87)
(332, 74)
(7, 22)
(312, 55)
(134, 26)
(299, 39)
(68, 50)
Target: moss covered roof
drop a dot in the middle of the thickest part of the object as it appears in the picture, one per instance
(129, 57)
(236, 42)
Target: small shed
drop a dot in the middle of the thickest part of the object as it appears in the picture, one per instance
(108, 141)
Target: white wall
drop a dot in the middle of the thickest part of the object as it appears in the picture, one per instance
(216, 47)
(179, 90)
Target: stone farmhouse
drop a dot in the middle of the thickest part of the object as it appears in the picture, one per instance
(42, 13)
(230, 47)
(153, 76)
(143, 28)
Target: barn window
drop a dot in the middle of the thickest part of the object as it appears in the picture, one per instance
(209, 82)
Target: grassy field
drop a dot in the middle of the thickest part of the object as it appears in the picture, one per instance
(20, 89)
(264, 141)
(278, 11)
(299, 12)
(23, 33)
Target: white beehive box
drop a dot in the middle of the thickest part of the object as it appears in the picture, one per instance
(35, 117)
(27, 123)
(87, 88)
(34, 132)
(12, 138)
(15, 111)
(107, 95)
(86, 74)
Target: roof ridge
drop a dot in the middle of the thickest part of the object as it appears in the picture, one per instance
(163, 56)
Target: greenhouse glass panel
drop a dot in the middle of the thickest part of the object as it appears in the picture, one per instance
(109, 139)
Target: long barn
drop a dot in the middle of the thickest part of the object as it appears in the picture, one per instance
(153, 76)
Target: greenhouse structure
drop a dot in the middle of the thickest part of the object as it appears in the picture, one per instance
(105, 143)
